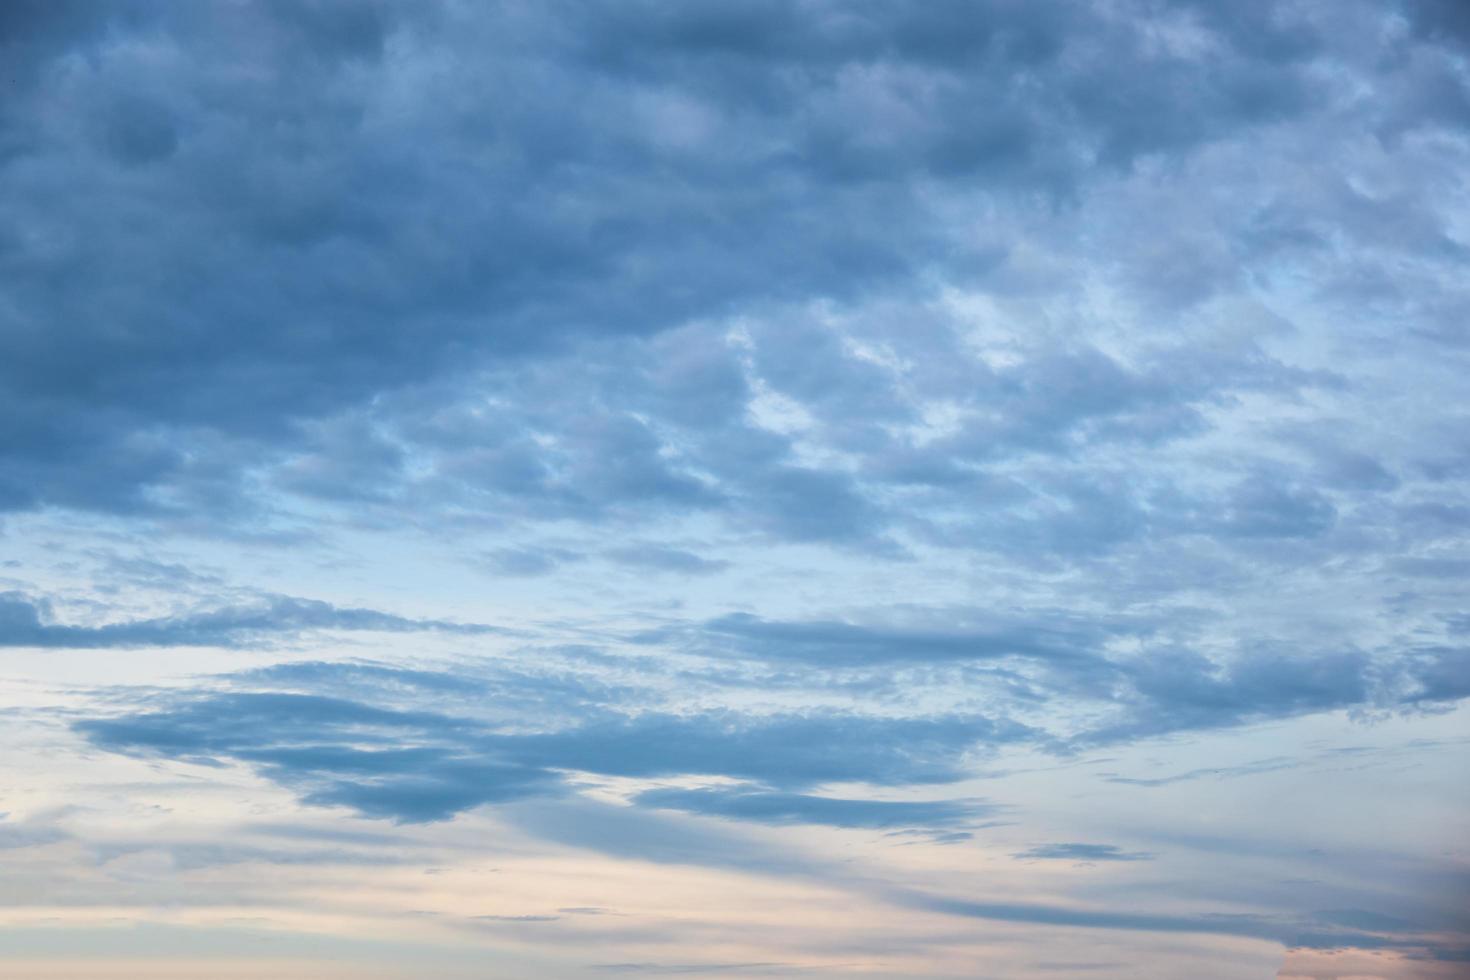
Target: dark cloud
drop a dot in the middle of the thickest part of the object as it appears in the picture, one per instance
(408, 766)
(406, 786)
(1438, 675)
(1184, 691)
(1443, 20)
(1263, 508)
(1058, 637)
(363, 747)
(424, 765)
(312, 248)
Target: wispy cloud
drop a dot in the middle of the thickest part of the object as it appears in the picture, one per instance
(1085, 853)
(266, 619)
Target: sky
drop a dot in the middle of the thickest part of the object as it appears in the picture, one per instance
(576, 489)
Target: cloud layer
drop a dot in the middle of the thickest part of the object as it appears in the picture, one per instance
(761, 442)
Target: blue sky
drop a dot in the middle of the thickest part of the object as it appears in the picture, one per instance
(820, 487)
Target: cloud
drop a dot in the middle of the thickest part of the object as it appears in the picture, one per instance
(1438, 675)
(660, 559)
(1056, 637)
(390, 246)
(1440, 19)
(782, 750)
(397, 742)
(186, 856)
(639, 835)
(1181, 690)
(367, 749)
(29, 833)
(410, 300)
(21, 624)
(1220, 772)
(419, 765)
(765, 806)
(1259, 508)
(1290, 931)
(1080, 852)
(523, 562)
(1136, 676)
(408, 766)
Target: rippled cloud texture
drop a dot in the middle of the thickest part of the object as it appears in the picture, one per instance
(821, 487)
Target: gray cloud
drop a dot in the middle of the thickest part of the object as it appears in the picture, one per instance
(28, 833)
(1081, 852)
(365, 746)
(414, 765)
(524, 562)
(1291, 932)
(468, 238)
(765, 806)
(660, 559)
(1219, 772)
(1059, 637)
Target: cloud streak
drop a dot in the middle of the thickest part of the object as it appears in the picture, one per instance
(266, 619)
